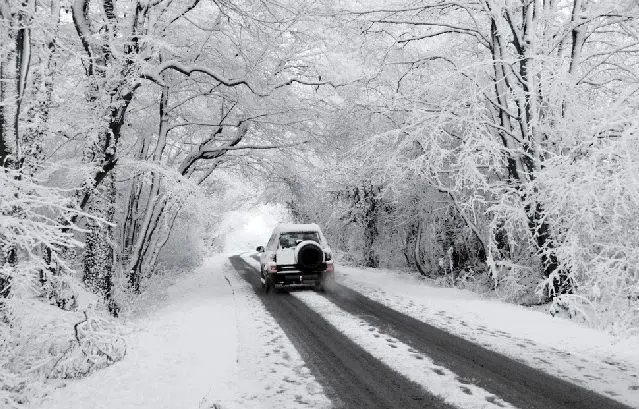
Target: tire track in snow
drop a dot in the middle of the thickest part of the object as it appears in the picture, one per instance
(401, 357)
(351, 377)
(514, 381)
(523, 386)
(273, 374)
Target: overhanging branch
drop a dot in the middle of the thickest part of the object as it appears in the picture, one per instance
(254, 147)
(190, 69)
(155, 76)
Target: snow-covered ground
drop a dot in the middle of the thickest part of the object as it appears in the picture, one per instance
(564, 348)
(202, 348)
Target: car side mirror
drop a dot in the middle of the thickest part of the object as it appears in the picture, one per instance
(260, 249)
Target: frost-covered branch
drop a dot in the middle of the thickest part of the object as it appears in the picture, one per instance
(451, 28)
(225, 148)
(155, 74)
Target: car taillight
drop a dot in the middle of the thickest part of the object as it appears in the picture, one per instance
(272, 268)
(329, 267)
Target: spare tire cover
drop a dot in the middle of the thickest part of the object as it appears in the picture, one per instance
(309, 255)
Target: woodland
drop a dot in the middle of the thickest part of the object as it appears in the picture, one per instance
(486, 144)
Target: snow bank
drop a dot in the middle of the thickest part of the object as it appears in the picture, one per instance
(176, 356)
(585, 356)
(44, 344)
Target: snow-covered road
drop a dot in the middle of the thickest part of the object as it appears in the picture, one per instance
(217, 341)
(459, 372)
(558, 346)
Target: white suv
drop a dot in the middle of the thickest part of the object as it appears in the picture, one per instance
(296, 254)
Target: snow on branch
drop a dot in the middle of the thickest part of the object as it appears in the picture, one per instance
(235, 148)
(407, 9)
(207, 124)
(431, 35)
(448, 28)
(190, 69)
(306, 82)
(155, 76)
(188, 8)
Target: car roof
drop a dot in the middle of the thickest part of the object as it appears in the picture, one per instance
(296, 227)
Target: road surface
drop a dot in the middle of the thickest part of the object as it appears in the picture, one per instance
(353, 378)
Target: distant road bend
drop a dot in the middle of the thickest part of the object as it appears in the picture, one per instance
(353, 378)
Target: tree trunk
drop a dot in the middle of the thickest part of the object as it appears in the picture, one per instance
(419, 258)
(371, 259)
(540, 229)
(5, 146)
(522, 167)
(98, 254)
(577, 35)
(8, 97)
(143, 221)
(38, 113)
(409, 244)
(131, 225)
(23, 63)
(14, 70)
(145, 239)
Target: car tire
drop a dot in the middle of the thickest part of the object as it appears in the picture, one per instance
(328, 281)
(269, 284)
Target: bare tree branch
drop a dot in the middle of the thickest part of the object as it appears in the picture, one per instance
(190, 7)
(190, 69)
(305, 82)
(256, 147)
(155, 76)
(452, 28)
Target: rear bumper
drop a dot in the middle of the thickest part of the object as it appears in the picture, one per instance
(291, 278)
(294, 269)
(291, 275)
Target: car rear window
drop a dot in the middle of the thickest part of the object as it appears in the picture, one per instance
(291, 239)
